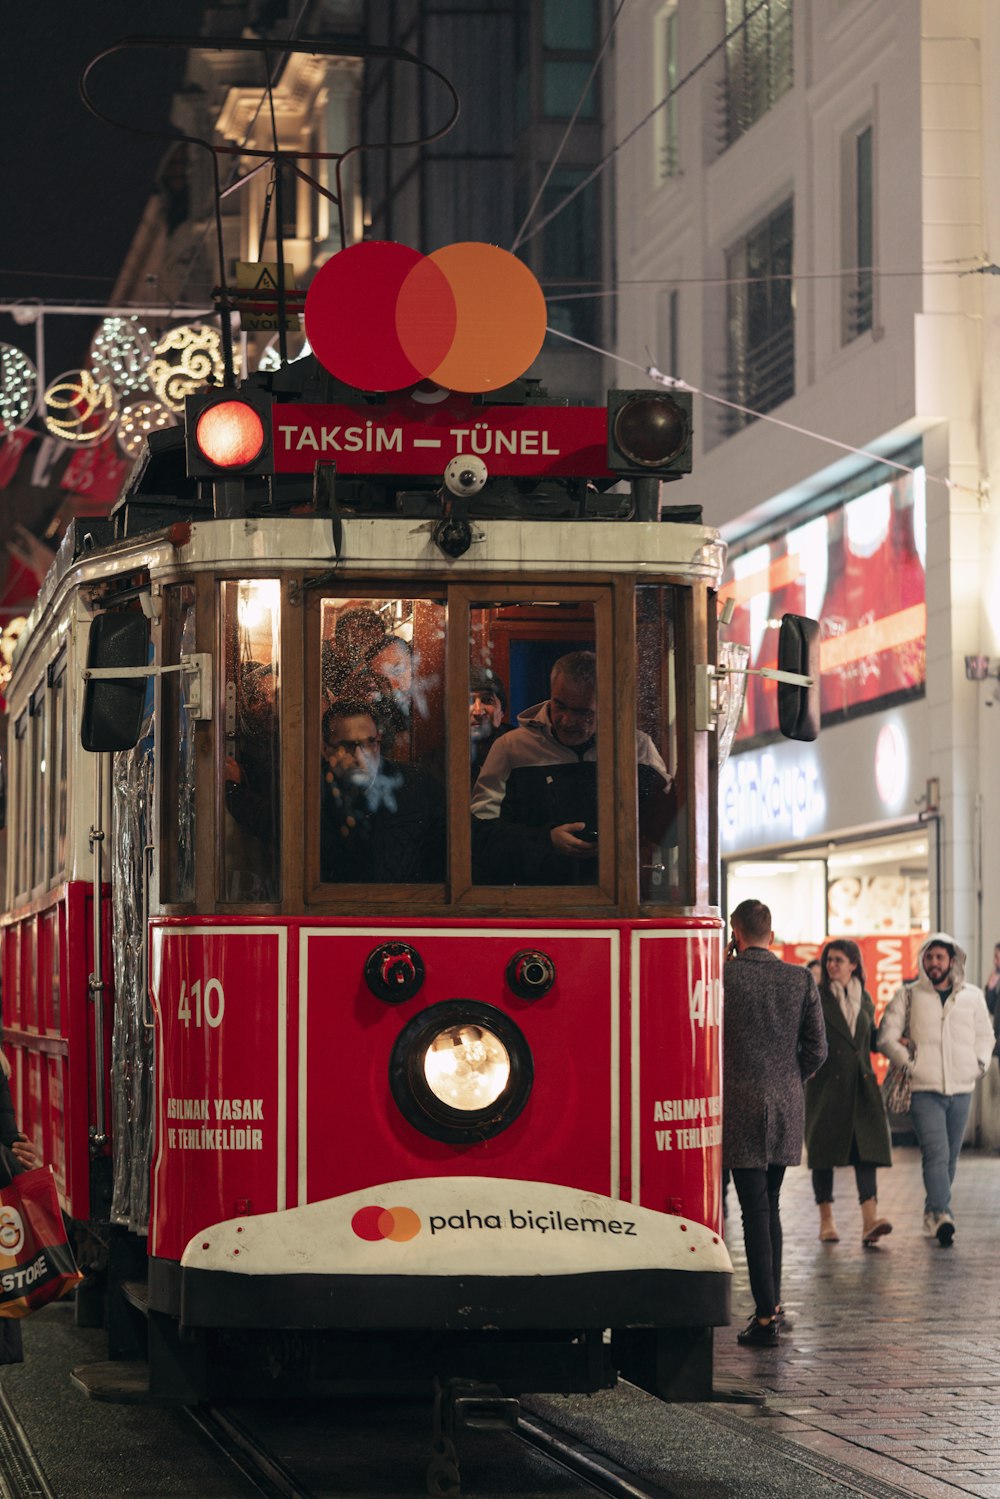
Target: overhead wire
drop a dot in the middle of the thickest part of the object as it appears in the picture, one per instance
(671, 382)
(661, 104)
(566, 133)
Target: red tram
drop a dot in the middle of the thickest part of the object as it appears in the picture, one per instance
(327, 1123)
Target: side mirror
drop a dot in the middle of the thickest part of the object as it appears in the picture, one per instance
(798, 653)
(113, 707)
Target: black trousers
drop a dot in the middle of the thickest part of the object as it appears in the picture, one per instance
(864, 1175)
(758, 1190)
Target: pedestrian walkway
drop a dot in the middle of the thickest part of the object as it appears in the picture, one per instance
(893, 1363)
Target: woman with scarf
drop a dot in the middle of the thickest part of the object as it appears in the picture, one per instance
(846, 1123)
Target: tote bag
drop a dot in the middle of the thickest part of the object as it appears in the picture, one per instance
(36, 1262)
(897, 1089)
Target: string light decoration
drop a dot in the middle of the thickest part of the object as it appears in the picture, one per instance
(18, 388)
(8, 640)
(137, 419)
(78, 408)
(119, 353)
(270, 360)
(186, 359)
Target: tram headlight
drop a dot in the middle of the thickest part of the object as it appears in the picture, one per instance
(461, 1071)
(649, 432)
(229, 432)
(467, 1067)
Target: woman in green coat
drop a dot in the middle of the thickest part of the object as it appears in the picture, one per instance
(846, 1123)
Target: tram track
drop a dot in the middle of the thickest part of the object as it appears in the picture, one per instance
(266, 1473)
(21, 1475)
(601, 1473)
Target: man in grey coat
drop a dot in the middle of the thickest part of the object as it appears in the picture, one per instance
(773, 1039)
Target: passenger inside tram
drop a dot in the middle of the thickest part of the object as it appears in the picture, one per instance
(380, 821)
(534, 804)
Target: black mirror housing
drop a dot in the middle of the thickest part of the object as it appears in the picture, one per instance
(798, 652)
(112, 709)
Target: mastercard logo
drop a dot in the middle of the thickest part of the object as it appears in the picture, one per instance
(398, 1224)
(381, 316)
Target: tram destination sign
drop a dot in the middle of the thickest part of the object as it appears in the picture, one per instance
(527, 441)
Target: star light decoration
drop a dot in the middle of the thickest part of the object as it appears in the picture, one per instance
(18, 387)
(77, 408)
(119, 354)
(184, 361)
(137, 419)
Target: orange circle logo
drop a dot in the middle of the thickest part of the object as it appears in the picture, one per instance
(398, 1224)
(381, 316)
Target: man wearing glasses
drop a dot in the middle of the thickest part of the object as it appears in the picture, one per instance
(534, 805)
(380, 822)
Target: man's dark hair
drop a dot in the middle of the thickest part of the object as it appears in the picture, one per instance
(484, 679)
(579, 666)
(348, 707)
(852, 953)
(753, 919)
(949, 947)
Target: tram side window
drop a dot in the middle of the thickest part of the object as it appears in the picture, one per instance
(663, 862)
(41, 774)
(177, 745)
(382, 741)
(251, 770)
(23, 783)
(534, 796)
(60, 756)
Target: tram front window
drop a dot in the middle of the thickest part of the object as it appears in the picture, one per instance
(251, 784)
(382, 741)
(534, 706)
(662, 857)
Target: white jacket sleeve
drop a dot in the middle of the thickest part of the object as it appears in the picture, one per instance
(891, 1029)
(985, 1035)
(491, 783)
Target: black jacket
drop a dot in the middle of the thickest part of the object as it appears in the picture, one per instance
(391, 833)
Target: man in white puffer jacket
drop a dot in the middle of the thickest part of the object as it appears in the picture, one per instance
(951, 1029)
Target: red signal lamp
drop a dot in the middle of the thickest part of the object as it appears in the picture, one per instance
(229, 432)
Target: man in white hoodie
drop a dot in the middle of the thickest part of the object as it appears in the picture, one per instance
(950, 1027)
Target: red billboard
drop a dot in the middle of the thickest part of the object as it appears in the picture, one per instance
(859, 570)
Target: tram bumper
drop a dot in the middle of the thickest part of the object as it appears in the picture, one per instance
(454, 1254)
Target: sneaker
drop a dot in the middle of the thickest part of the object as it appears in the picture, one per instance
(759, 1334)
(930, 1225)
(945, 1231)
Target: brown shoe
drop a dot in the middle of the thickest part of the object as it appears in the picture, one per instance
(827, 1228)
(878, 1230)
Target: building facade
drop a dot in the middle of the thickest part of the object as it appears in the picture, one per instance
(807, 235)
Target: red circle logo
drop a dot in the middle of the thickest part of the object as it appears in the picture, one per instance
(381, 316)
(398, 1224)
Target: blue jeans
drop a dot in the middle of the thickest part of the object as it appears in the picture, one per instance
(939, 1121)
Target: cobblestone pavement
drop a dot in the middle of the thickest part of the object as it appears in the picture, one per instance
(893, 1363)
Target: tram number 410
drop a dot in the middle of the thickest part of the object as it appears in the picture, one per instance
(201, 1005)
(705, 1005)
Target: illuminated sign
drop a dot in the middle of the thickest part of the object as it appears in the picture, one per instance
(892, 766)
(859, 570)
(422, 439)
(775, 799)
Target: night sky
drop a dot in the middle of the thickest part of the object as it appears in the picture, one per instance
(75, 188)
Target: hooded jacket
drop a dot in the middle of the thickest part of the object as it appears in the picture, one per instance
(954, 1040)
(531, 783)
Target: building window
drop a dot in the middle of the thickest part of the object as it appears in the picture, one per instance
(859, 232)
(759, 68)
(760, 310)
(667, 341)
(665, 55)
(569, 38)
(571, 252)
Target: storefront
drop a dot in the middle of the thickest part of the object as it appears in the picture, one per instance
(839, 837)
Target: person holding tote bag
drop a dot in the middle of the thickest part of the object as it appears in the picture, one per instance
(24, 1158)
(846, 1123)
